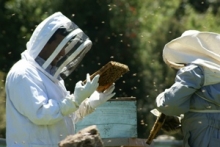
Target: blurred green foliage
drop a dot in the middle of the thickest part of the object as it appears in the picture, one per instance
(128, 31)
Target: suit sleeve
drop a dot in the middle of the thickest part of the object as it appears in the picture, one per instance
(28, 97)
(84, 110)
(176, 99)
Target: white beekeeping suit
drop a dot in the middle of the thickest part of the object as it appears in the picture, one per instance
(40, 112)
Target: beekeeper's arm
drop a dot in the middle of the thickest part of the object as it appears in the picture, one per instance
(30, 99)
(95, 100)
(176, 99)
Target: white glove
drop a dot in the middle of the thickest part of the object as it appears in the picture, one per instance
(82, 92)
(97, 98)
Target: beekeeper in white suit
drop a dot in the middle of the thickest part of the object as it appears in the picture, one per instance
(40, 112)
(196, 90)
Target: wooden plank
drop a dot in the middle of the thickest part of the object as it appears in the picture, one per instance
(167, 143)
(139, 142)
(125, 142)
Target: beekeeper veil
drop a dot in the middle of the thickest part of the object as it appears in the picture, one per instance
(195, 47)
(75, 44)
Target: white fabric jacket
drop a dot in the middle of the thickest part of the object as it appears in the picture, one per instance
(199, 104)
(39, 112)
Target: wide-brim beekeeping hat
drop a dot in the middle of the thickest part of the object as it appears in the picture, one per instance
(202, 48)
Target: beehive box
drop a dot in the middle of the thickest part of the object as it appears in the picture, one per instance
(114, 119)
(2, 142)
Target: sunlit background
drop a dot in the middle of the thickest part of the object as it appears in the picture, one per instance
(132, 32)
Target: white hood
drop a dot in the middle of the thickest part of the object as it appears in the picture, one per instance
(201, 48)
(78, 45)
(44, 31)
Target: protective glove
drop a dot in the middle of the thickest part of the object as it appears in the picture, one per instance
(81, 92)
(97, 98)
(172, 125)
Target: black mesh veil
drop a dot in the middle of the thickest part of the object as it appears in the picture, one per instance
(79, 46)
(75, 45)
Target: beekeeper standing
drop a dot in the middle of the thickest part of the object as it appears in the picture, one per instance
(40, 112)
(196, 91)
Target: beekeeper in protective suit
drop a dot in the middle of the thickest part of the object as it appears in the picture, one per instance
(40, 112)
(196, 91)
